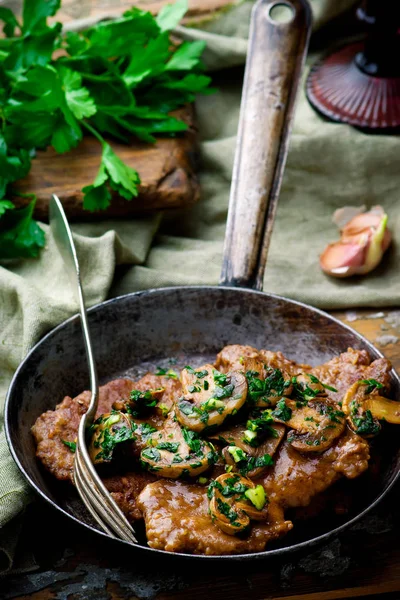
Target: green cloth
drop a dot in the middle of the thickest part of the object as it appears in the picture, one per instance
(329, 166)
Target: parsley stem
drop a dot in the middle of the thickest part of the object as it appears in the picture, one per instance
(94, 132)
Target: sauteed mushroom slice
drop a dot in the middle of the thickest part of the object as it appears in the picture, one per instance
(174, 452)
(258, 438)
(317, 423)
(209, 397)
(235, 501)
(108, 432)
(364, 407)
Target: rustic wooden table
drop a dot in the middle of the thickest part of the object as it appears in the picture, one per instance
(363, 562)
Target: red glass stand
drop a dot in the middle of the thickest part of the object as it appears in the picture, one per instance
(359, 84)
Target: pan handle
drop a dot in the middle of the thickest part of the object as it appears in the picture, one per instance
(275, 60)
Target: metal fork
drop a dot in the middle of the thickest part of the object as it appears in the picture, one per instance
(91, 489)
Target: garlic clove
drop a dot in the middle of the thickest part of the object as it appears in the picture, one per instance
(343, 259)
(364, 240)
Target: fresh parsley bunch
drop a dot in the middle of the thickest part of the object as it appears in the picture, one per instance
(119, 78)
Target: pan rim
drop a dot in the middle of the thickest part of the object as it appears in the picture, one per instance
(169, 555)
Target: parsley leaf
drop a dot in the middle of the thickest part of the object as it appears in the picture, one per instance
(372, 384)
(113, 171)
(282, 412)
(170, 15)
(366, 424)
(315, 379)
(78, 98)
(120, 77)
(9, 20)
(36, 12)
(186, 57)
(20, 235)
(70, 445)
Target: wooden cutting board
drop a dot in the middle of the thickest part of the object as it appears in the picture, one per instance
(82, 9)
(167, 168)
(167, 172)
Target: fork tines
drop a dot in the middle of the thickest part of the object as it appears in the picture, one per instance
(98, 499)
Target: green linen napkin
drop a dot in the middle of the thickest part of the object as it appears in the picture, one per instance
(329, 166)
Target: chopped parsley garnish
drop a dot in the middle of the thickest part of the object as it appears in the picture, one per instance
(261, 426)
(334, 415)
(257, 496)
(213, 404)
(70, 445)
(206, 385)
(212, 457)
(187, 408)
(313, 442)
(193, 389)
(170, 446)
(220, 378)
(195, 465)
(282, 412)
(354, 406)
(254, 462)
(366, 424)
(193, 441)
(146, 429)
(198, 374)
(233, 487)
(372, 384)
(316, 380)
(237, 453)
(201, 374)
(142, 401)
(169, 373)
(312, 420)
(110, 438)
(151, 454)
(303, 393)
(263, 389)
(228, 512)
(223, 392)
(247, 463)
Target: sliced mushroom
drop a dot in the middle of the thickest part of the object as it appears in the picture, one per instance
(209, 397)
(267, 379)
(107, 432)
(235, 437)
(176, 452)
(364, 408)
(317, 423)
(235, 501)
(384, 409)
(306, 387)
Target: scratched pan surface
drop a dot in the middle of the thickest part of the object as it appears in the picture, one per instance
(137, 332)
